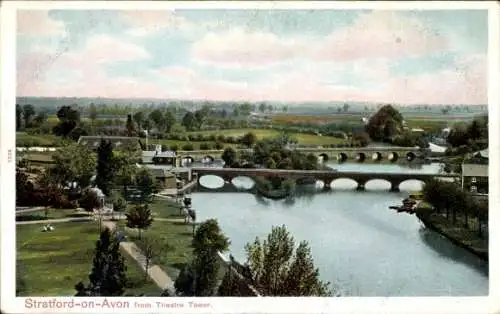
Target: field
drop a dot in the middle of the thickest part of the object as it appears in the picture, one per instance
(24, 139)
(51, 264)
(305, 139)
(52, 213)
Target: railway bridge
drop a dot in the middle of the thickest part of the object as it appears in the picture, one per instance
(326, 176)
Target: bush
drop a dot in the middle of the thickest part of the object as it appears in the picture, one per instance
(174, 147)
(188, 147)
(205, 146)
(218, 146)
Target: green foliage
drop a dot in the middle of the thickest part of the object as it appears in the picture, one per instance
(105, 168)
(169, 121)
(74, 163)
(118, 201)
(188, 147)
(146, 185)
(461, 135)
(189, 121)
(140, 217)
(157, 117)
(385, 124)
(199, 277)
(229, 156)
(108, 276)
(248, 139)
(130, 126)
(69, 119)
(277, 271)
(209, 236)
(89, 200)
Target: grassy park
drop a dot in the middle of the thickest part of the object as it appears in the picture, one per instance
(50, 264)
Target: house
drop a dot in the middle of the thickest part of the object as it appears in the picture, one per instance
(118, 142)
(475, 173)
(164, 177)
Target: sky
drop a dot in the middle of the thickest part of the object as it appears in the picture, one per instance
(402, 57)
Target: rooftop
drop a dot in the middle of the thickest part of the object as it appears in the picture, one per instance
(474, 170)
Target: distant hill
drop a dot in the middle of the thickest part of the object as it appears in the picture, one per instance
(52, 103)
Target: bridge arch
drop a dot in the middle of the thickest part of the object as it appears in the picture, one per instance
(341, 157)
(188, 159)
(360, 157)
(324, 157)
(410, 156)
(379, 184)
(211, 181)
(243, 182)
(343, 183)
(377, 156)
(411, 185)
(393, 156)
(208, 158)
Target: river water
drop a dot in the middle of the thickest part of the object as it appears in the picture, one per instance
(361, 246)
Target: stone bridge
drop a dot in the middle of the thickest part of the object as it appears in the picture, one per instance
(326, 176)
(341, 154)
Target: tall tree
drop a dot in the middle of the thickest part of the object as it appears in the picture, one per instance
(130, 125)
(189, 121)
(229, 156)
(28, 113)
(277, 271)
(386, 123)
(139, 119)
(157, 117)
(262, 107)
(345, 107)
(92, 110)
(139, 217)
(169, 121)
(108, 275)
(105, 168)
(69, 118)
(89, 201)
(40, 118)
(249, 139)
(146, 185)
(19, 117)
(199, 277)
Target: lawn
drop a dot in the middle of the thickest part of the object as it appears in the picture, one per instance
(24, 139)
(50, 264)
(165, 208)
(305, 139)
(172, 242)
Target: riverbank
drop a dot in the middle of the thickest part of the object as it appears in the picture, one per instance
(464, 238)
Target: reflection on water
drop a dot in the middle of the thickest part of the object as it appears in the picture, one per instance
(358, 243)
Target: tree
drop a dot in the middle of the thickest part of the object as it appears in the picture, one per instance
(74, 163)
(139, 119)
(105, 169)
(40, 118)
(92, 113)
(169, 121)
(139, 217)
(28, 113)
(199, 277)
(125, 169)
(189, 121)
(277, 271)
(118, 201)
(108, 275)
(149, 248)
(249, 139)
(146, 185)
(209, 235)
(385, 124)
(130, 125)
(69, 118)
(200, 116)
(157, 117)
(345, 107)
(19, 117)
(89, 200)
(229, 156)
(262, 107)
(177, 129)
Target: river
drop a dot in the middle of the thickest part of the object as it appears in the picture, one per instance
(359, 245)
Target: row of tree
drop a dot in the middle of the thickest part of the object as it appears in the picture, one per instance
(450, 199)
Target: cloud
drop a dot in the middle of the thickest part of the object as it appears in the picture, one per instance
(144, 23)
(379, 34)
(86, 64)
(38, 23)
(240, 48)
